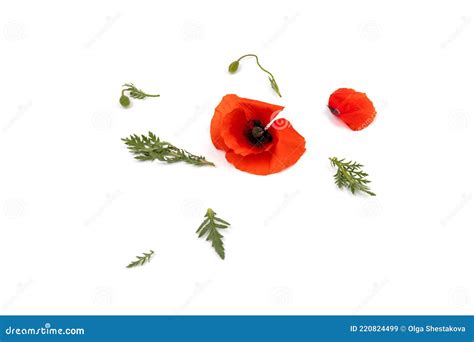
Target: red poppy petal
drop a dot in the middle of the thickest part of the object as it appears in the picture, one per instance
(257, 164)
(352, 107)
(254, 110)
(225, 106)
(261, 111)
(358, 120)
(216, 138)
(233, 130)
(288, 150)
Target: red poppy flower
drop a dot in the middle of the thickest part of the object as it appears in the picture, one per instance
(251, 137)
(352, 107)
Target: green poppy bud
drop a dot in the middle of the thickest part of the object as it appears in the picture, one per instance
(124, 101)
(233, 67)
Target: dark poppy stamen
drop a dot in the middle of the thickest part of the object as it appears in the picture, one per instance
(257, 134)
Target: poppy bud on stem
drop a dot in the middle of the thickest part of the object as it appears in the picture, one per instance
(124, 100)
(133, 92)
(233, 67)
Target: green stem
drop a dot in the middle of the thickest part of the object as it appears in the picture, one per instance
(149, 95)
(258, 63)
(271, 77)
(131, 87)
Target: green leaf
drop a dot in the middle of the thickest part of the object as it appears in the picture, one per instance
(151, 147)
(141, 260)
(350, 175)
(210, 226)
(221, 221)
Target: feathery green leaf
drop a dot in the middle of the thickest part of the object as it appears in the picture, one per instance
(151, 147)
(350, 175)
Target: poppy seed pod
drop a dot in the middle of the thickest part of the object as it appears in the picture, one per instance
(233, 67)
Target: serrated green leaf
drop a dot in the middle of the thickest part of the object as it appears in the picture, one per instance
(210, 227)
(206, 221)
(141, 260)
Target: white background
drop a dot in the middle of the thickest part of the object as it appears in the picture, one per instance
(75, 207)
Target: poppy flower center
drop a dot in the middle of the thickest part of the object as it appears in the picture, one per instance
(256, 133)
